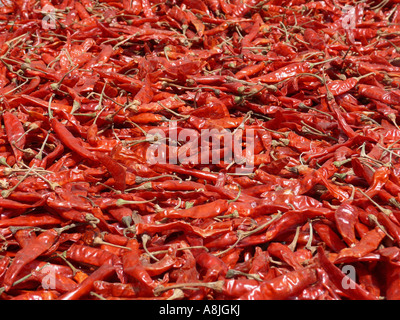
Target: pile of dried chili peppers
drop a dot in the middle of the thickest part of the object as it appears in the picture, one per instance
(85, 215)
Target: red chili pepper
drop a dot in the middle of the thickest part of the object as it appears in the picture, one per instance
(37, 220)
(215, 267)
(346, 217)
(204, 211)
(392, 227)
(284, 253)
(315, 39)
(70, 141)
(36, 247)
(329, 237)
(163, 265)
(134, 268)
(117, 171)
(374, 92)
(249, 71)
(352, 289)
(283, 73)
(113, 289)
(392, 282)
(379, 179)
(338, 87)
(89, 255)
(78, 110)
(369, 242)
(4, 262)
(243, 8)
(59, 282)
(38, 295)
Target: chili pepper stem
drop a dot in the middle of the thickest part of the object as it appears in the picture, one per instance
(100, 103)
(338, 164)
(32, 126)
(285, 134)
(269, 87)
(312, 65)
(173, 112)
(56, 86)
(394, 202)
(166, 84)
(53, 185)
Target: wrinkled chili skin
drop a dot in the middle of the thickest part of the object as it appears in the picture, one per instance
(36, 247)
(282, 287)
(199, 150)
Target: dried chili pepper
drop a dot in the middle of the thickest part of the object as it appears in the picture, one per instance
(29, 253)
(352, 289)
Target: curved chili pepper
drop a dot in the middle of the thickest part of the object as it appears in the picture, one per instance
(15, 134)
(36, 247)
(103, 272)
(70, 141)
(284, 286)
(353, 289)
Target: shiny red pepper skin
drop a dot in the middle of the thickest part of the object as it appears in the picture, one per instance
(354, 291)
(36, 247)
(282, 287)
(83, 289)
(70, 141)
